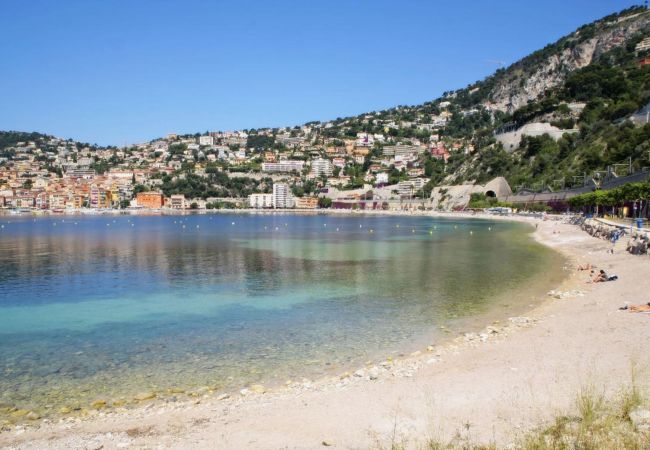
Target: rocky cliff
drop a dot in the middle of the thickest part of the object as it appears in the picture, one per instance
(527, 79)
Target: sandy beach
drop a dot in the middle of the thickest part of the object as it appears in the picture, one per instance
(491, 385)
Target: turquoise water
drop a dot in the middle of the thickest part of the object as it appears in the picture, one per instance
(104, 307)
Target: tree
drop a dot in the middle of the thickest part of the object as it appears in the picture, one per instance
(324, 202)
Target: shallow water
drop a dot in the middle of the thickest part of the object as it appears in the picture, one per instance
(106, 307)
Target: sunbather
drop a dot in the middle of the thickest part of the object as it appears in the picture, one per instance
(599, 277)
(636, 308)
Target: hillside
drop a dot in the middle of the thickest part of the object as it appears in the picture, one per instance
(547, 121)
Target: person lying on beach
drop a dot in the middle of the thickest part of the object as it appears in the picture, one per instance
(636, 308)
(587, 266)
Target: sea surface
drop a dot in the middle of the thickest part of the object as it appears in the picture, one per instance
(107, 307)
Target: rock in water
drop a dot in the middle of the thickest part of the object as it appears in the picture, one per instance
(98, 404)
(258, 389)
(145, 396)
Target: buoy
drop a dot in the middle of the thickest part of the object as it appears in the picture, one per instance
(489, 228)
(265, 227)
(430, 231)
(360, 225)
(276, 228)
(471, 232)
(371, 231)
(197, 226)
(413, 230)
(183, 226)
(232, 223)
(337, 229)
(455, 226)
(397, 226)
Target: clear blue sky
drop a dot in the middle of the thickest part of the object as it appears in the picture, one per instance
(116, 72)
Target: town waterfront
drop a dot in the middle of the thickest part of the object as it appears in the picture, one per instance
(111, 307)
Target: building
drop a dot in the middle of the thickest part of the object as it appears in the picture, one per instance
(402, 150)
(642, 46)
(321, 167)
(152, 200)
(177, 201)
(99, 197)
(283, 166)
(382, 178)
(406, 189)
(206, 140)
(282, 197)
(260, 200)
(306, 202)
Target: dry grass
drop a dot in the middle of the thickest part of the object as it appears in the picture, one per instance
(597, 423)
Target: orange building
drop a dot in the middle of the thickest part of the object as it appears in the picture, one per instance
(306, 202)
(152, 200)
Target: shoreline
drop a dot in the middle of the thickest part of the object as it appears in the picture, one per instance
(398, 371)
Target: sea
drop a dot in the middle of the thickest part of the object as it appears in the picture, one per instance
(107, 307)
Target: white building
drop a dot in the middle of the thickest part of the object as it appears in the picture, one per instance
(406, 188)
(261, 200)
(320, 167)
(177, 202)
(283, 166)
(382, 178)
(402, 150)
(282, 197)
(206, 140)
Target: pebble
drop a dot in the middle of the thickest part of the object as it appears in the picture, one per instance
(98, 404)
(258, 389)
(32, 416)
(145, 396)
(373, 373)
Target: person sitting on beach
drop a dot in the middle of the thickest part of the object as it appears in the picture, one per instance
(600, 277)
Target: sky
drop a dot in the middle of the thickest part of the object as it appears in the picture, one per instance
(118, 72)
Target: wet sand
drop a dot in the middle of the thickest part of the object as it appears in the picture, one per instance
(507, 378)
